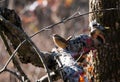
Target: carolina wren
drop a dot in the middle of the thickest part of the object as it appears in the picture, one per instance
(60, 41)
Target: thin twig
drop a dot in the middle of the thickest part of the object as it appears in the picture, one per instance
(48, 27)
(42, 60)
(70, 18)
(13, 54)
(14, 73)
(15, 61)
(40, 54)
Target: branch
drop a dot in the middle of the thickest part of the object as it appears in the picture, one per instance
(42, 59)
(14, 73)
(70, 18)
(6, 64)
(18, 76)
(45, 77)
(21, 33)
(17, 37)
(15, 61)
(40, 55)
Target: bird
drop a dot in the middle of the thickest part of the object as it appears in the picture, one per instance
(59, 41)
(97, 31)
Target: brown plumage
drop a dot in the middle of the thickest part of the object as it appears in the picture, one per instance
(60, 41)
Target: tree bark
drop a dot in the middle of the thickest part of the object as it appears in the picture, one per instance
(107, 62)
(16, 35)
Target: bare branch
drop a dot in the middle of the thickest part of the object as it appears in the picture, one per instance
(45, 77)
(15, 61)
(62, 21)
(42, 59)
(40, 55)
(70, 18)
(8, 61)
(14, 73)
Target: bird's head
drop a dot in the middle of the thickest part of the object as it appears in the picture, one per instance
(97, 32)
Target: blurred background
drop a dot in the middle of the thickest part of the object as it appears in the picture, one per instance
(37, 14)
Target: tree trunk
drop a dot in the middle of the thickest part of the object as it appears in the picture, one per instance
(107, 62)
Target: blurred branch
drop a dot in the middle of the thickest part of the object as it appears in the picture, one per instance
(4, 3)
(15, 60)
(11, 4)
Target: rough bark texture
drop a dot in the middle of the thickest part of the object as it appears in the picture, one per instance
(107, 64)
(26, 52)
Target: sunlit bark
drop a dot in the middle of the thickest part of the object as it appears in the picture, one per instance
(107, 62)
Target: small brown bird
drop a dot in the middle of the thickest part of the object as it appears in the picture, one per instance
(60, 41)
